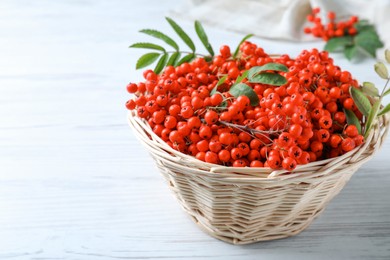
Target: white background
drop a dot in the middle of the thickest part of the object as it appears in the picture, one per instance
(76, 184)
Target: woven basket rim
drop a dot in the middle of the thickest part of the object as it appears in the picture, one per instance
(319, 168)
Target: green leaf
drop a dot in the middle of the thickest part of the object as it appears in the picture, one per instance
(242, 76)
(147, 45)
(371, 117)
(173, 59)
(221, 80)
(208, 58)
(269, 79)
(353, 120)
(370, 89)
(387, 55)
(147, 59)
(219, 83)
(381, 70)
(269, 66)
(370, 34)
(350, 51)
(213, 91)
(161, 36)
(242, 89)
(186, 58)
(238, 47)
(338, 43)
(387, 92)
(368, 47)
(363, 25)
(384, 110)
(161, 63)
(187, 40)
(361, 101)
(203, 37)
(368, 41)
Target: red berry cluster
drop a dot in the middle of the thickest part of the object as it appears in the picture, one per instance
(296, 123)
(333, 28)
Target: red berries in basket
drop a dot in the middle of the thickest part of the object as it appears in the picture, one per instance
(193, 108)
(247, 108)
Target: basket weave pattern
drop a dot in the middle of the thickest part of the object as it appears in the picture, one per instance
(246, 205)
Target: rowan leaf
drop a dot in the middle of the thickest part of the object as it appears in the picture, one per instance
(384, 110)
(268, 78)
(147, 59)
(368, 40)
(363, 25)
(184, 36)
(361, 101)
(203, 37)
(173, 59)
(381, 70)
(387, 55)
(370, 89)
(219, 83)
(352, 119)
(147, 45)
(350, 51)
(186, 58)
(238, 47)
(242, 89)
(159, 35)
(161, 63)
(242, 76)
(371, 117)
(338, 43)
(269, 66)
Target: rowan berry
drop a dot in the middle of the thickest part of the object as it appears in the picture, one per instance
(211, 117)
(205, 132)
(325, 122)
(348, 144)
(170, 122)
(256, 163)
(176, 137)
(351, 131)
(216, 99)
(225, 51)
(186, 111)
(211, 157)
(289, 163)
(130, 104)
(274, 161)
(239, 163)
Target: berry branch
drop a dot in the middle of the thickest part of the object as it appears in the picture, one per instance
(351, 36)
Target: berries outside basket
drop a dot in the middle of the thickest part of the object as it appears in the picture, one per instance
(246, 205)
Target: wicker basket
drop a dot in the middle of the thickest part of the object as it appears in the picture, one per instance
(246, 205)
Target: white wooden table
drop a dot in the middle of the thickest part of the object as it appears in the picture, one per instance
(76, 184)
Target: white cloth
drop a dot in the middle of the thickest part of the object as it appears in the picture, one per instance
(284, 19)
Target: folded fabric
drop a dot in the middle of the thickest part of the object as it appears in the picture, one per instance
(284, 19)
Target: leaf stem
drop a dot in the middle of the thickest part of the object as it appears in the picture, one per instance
(384, 89)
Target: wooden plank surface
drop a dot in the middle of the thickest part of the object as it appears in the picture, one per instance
(76, 184)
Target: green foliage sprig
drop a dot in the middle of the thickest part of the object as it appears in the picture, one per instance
(369, 101)
(366, 41)
(259, 74)
(177, 56)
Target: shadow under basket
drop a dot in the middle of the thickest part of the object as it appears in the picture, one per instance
(247, 205)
